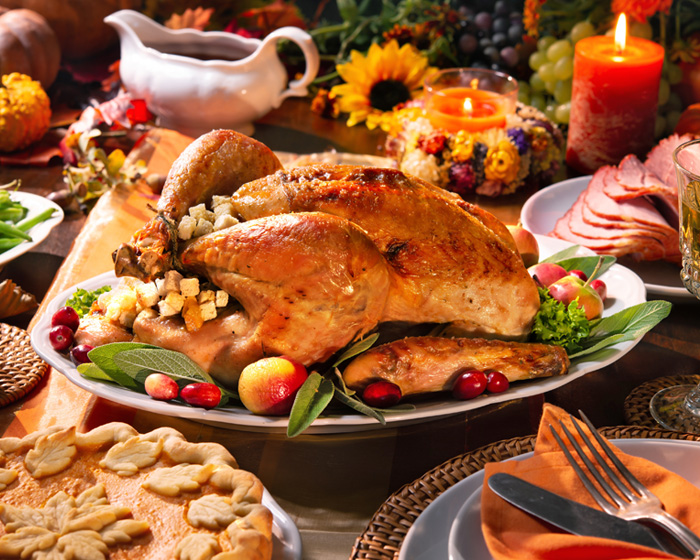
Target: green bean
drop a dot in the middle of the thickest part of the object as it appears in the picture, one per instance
(7, 243)
(29, 223)
(12, 214)
(8, 230)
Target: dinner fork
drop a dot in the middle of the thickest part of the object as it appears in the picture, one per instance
(631, 501)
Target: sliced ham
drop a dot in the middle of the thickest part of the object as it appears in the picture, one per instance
(660, 158)
(634, 179)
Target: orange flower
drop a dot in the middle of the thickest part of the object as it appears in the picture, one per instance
(641, 10)
(531, 16)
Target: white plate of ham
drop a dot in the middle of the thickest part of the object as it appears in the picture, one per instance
(541, 212)
(625, 289)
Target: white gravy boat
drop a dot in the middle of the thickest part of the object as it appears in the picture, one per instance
(196, 81)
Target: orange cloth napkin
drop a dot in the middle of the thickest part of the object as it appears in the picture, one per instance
(512, 534)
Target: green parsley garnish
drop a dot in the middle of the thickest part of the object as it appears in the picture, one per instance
(82, 300)
(558, 324)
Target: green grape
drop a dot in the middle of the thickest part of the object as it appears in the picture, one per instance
(549, 111)
(674, 103)
(664, 92)
(536, 83)
(672, 118)
(639, 29)
(673, 73)
(562, 113)
(564, 68)
(559, 49)
(550, 86)
(582, 30)
(537, 101)
(659, 127)
(546, 72)
(543, 43)
(562, 91)
(523, 92)
(537, 59)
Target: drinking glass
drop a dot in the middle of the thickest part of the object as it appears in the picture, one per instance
(678, 407)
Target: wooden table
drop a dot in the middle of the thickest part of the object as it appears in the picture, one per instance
(329, 484)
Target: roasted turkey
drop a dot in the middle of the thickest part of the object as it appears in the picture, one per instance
(323, 255)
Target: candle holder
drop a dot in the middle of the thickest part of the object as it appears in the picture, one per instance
(470, 99)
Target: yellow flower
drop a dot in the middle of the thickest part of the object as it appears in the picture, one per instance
(377, 83)
(502, 162)
(463, 148)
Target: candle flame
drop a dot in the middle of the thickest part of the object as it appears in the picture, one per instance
(621, 34)
(468, 109)
(474, 84)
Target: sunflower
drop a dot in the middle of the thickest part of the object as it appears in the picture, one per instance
(377, 83)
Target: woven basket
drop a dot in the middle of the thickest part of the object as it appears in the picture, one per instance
(20, 368)
(387, 529)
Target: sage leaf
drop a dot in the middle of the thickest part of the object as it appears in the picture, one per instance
(356, 349)
(103, 358)
(175, 364)
(91, 371)
(588, 264)
(359, 406)
(311, 400)
(624, 325)
(568, 253)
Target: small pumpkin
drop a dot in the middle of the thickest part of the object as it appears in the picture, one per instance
(28, 45)
(25, 112)
(78, 24)
(689, 122)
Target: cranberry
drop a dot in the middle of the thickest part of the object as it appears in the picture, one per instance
(600, 287)
(80, 353)
(496, 382)
(66, 316)
(61, 338)
(161, 387)
(469, 384)
(381, 394)
(206, 395)
(579, 274)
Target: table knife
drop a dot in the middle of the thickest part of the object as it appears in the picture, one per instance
(570, 516)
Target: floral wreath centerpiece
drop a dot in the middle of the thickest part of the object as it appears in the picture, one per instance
(513, 145)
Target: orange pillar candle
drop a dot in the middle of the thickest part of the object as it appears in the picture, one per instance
(469, 99)
(613, 100)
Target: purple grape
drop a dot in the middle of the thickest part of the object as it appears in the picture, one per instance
(499, 40)
(515, 33)
(492, 54)
(510, 56)
(468, 43)
(483, 21)
(500, 25)
(501, 8)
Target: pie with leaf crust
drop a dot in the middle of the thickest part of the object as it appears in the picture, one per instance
(114, 493)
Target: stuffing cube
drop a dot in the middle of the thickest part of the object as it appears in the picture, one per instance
(208, 310)
(172, 304)
(221, 299)
(147, 295)
(200, 212)
(224, 221)
(189, 287)
(223, 209)
(147, 313)
(218, 200)
(172, 281)
(203, 227)
(186, 227)
(205, 295)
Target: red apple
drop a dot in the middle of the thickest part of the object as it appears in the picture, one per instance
(569, 288)
(580, 274)
(547, 273)
(526, 243)
(269, 385)
(161, 387)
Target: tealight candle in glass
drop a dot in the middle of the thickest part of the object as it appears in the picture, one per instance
(469, 99)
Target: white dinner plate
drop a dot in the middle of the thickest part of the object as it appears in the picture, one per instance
(35, 205)
(542, 210)
(625, 289)
(455, 516)
(286, 539)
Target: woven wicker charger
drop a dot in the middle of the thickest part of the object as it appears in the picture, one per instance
(637, 402)
(388, 527)
(20, 368)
